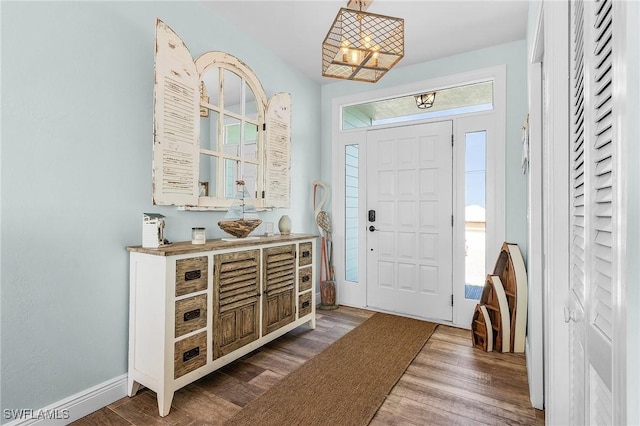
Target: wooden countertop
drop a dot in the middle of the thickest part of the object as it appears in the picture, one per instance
(185, 247)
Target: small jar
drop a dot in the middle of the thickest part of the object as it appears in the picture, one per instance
(197, 236)
(268, 229)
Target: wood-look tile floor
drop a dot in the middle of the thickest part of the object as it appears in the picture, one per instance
(448, 383)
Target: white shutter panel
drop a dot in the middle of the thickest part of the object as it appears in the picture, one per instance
(278, 151)
(578, 156)
(601, 254)
(577, 391)
(593, 182)
(176, 124)
(578, 214)
(602, 177)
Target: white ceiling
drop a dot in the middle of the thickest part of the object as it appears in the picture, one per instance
(295, 29)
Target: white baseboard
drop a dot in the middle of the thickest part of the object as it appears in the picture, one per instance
(72, 408)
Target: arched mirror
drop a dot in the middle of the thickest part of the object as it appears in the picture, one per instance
(213, 126)
(232, 109)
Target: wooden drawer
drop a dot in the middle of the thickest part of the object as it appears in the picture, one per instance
(305, 257)
(304, 304)
(304, 279)
(190, 354)
(191, 275)
(191, 314)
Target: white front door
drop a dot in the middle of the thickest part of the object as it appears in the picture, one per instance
(409, 244)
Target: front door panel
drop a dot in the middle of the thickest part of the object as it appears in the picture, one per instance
(409, 245)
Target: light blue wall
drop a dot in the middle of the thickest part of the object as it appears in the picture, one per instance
(514, 56)
(77, 92)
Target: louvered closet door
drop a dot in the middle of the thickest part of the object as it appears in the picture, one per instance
(593, 183)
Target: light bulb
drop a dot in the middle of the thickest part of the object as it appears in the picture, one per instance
(354, 57)
(345, 50)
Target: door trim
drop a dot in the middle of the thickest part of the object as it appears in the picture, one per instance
(354, 294)
(534, 347)
(555, 223)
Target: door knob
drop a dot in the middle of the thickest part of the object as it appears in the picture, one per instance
(373, 228)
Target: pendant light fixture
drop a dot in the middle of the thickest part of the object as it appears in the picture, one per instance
(425, 100)
(362, 46)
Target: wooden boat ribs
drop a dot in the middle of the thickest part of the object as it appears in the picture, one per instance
(501, 313)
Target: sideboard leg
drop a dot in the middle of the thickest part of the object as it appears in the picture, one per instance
(133, 386)
(164, 403)
(312, 322)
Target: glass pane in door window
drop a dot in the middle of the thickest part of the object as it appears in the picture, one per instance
(475, 174)
(351, 212)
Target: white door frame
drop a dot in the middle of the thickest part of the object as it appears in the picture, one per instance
(354, 294)
(555, 209)
(626, 372)
(534, 347)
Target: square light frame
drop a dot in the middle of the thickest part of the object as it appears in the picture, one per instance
(362, 46)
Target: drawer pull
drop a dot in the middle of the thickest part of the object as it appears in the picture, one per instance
(306, 278)
(192, 275)
(305, 304)
(191, 315)
(190, 354)
(306, 253)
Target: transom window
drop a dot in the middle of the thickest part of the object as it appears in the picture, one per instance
(451, 101)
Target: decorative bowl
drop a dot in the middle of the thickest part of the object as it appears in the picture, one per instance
(239, 228)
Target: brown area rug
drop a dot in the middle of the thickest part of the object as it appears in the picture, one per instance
(346, 383)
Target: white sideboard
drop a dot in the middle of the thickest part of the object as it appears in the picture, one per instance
(196, 308)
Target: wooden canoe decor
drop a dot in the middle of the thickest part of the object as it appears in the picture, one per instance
(511, 270)
(495, 300)
(482, 330)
